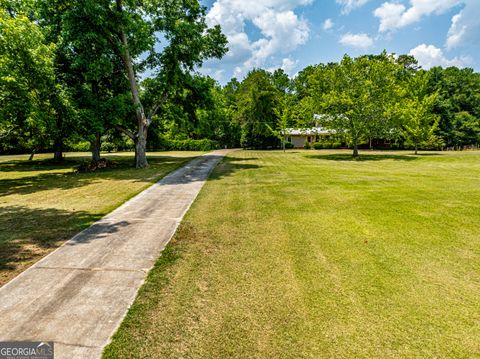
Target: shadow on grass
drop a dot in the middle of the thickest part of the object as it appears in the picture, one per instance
(53, 176)
(37, 165)
(429, 154)
(28, 233)
(363, 157)
(230, 165)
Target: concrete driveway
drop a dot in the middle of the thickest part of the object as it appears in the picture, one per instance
(78, 295)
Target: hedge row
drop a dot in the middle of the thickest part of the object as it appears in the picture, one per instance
(189, 145)
(326, 145)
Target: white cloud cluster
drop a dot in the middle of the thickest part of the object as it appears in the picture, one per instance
(282, 31)
(465, 28)
(429, 56)
(359, 41)
(328, 24)
(287, 65)
(349, 5)
(394, 15)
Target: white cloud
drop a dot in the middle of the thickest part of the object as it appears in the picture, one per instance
(327, 24)
(282, 31)
(288, 65)
(359, 41)
(395, 15)
(390, 15)
(465, 28)
(349, 5)
(429, 56)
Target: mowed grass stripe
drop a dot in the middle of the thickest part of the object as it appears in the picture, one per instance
(310, 254)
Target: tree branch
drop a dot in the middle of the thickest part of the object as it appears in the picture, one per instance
(6, 133)
(155, 107)
(125, 131)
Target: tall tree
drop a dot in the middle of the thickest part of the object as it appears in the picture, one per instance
(458, 101)
(359, 97)
(95, 74)
(257, 101)
(417, 121)
(189, 42)
(26, 80)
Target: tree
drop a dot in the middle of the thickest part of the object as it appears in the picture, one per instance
(458, 94)
(359, 97)
(418, 123)
(257, 101)
(190, 42)
(94, 73)
(26, 80)
(283, 113)
(466, 129)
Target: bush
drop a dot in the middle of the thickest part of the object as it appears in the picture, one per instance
(108, 147)
(288, 145)
(81, 146)
(327, 145)
(433, 143)
(189, 145)
(307, 145)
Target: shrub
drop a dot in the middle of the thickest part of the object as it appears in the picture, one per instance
(307, 145)
(433, 143)
(189, 145)
(81, 146)
(288, 145)
(108, 147)
(327, 143)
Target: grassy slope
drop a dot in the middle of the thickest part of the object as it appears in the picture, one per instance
(310, 254)
(42, 205)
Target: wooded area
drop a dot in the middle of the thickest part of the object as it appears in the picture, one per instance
(108, 75)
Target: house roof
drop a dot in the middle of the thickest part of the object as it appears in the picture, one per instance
(308, 131)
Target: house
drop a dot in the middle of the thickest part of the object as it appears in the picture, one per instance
(298, 136)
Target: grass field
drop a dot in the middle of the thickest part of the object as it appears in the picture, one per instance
(310, 254)
(43, 204)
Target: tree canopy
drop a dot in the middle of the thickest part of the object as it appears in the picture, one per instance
(103, 75)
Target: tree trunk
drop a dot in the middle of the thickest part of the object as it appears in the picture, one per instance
(143, 122)
(95, 148)
(32, 154)
(58, 150)
(355, 150)
(416, 149)
(141, 149)
(371, 147)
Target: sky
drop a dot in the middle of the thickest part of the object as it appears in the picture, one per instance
(292, 34)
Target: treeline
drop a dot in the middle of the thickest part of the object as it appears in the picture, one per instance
(102, 75)
(363, 101)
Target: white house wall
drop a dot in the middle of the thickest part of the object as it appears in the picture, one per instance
(298, 141)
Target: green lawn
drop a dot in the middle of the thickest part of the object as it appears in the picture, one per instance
(310, 254)
(43, 204)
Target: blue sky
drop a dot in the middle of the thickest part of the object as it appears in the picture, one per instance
(292, 34)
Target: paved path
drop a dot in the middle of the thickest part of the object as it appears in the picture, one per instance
(78, 295)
